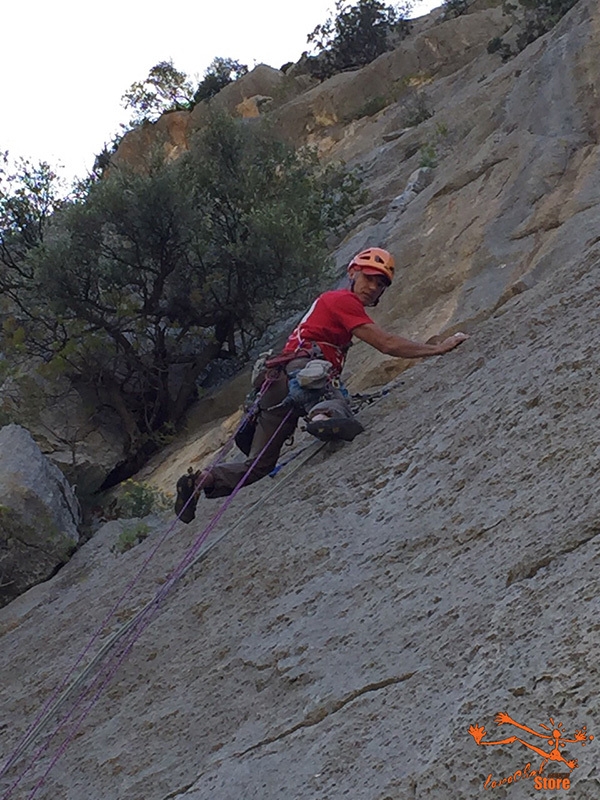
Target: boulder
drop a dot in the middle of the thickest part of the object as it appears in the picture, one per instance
(39, 514)
(262, 80)
(83, 441)
(251, 107)
(170, 134)
(417, 181)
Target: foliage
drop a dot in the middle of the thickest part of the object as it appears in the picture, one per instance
(132, 291)
(455, 8)
(29, 195)
(356, 34)
(102, 162)
(416, 110)
(428, 155)
(220, 73)
(539, 17)
(164, 89)
(373, 106)
(498, 45)
(140, 500)
(441, 130)
(414, 102)
(434, 147)
(167, 89)
(130, 536)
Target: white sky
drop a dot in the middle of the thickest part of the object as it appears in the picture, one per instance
(65, 64)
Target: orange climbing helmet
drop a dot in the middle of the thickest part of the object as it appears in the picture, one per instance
(375, 261)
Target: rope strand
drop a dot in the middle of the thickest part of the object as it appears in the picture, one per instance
(137, 630)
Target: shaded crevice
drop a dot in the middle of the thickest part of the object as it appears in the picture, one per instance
(526, 570)
(181, 790)
(314, 718)
(69, 506)
(29, 546)
(467, 177)
(326, 710)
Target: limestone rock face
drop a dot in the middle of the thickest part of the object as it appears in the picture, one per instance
(39, 514)
(440, 569)
(262, 80)
(435, 52)
(343, 638)
(514, 190)
(170, 133)
(251, 106)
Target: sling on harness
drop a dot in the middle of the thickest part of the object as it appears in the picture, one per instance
(314, 375)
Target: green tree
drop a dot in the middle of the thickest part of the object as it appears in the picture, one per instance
(30, 194)
(455, 8)
(356, 34)
(138, 287)
(540, 17)
(220, 73)
(102, 162)
(164, 89)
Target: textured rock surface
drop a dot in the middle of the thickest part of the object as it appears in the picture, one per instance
(39, 514)
(515, 193)
(440, 569)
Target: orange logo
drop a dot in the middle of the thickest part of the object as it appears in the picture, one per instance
(554, 740)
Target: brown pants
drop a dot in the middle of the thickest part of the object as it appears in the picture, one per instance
(227, 476)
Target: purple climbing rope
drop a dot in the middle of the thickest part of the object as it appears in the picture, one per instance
(145, 618)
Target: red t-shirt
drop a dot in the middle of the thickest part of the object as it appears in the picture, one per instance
(329, 322)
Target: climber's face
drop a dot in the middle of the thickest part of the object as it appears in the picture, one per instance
(368, 288)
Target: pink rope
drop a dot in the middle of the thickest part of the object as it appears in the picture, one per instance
(150, 611)
(128, 589)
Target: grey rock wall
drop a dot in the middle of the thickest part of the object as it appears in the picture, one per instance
(39, 514)
(439, 570)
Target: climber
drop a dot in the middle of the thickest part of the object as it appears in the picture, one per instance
(303, 381)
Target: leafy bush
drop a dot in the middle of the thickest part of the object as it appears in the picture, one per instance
(29, 195)
(540, 16)
(167, 89)
(428, 155)
(140, 500)
(357, 34)
(416, 110)
(373, 106)
(455, 8)
(498, 45)
(219, 73)
(130, 536)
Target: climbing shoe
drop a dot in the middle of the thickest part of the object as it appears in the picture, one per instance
(345, 428)
(186, 511)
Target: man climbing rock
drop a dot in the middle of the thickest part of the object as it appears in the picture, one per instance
(303, 381)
